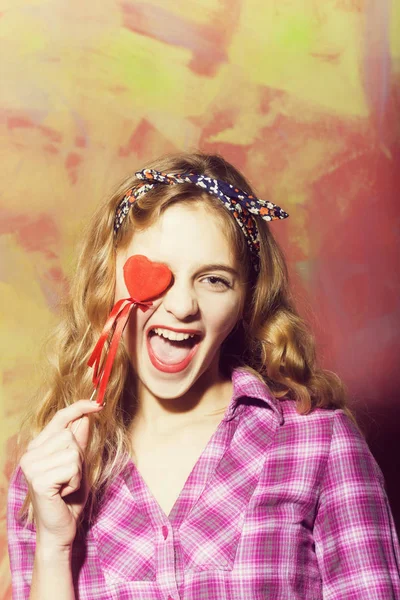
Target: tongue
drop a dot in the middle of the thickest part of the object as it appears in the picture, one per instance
(170, 352)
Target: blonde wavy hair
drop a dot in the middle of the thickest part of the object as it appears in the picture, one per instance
(272, 340)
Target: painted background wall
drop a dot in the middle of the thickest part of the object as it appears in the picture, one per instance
(300, 94)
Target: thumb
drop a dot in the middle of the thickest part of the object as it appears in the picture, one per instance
(80, 430)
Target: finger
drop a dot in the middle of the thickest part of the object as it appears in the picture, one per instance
(79, 421)
(76, 426)
(81, 432)
(50, 448)
(50, 445)
(78, 484)
(44, 464)
(75, 483)
(48, 484)
(64, 417)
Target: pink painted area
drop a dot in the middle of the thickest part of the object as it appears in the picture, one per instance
(80, 141)
(268, 96)
(39, 236)
(351, 5)
(53, 135)
(207, 42)
(329, 57)
(144, 137)
(51, 149)
(377, 59)
(54, 284)
(34, 234)
(118, 89)
(18, 122)
(215, 121)
(356, 280)
(72, 160)
(234, 153)
(72, 163)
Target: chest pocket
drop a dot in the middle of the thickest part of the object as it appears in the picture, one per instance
(209, 541)
(210, 535)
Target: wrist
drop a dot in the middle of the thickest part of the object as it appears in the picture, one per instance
(50, 549)
(53, 554)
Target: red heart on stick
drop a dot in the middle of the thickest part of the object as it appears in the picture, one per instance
(145, 279)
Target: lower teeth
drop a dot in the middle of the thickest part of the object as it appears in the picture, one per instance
(171, 351)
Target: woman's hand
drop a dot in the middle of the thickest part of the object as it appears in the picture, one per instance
(54, 468)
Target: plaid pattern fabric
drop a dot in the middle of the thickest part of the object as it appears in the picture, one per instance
(279, 506)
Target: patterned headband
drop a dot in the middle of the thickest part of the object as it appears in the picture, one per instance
(238, 202)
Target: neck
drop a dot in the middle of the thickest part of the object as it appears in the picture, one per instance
(207, 398)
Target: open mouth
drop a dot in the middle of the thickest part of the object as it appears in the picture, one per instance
(171, 351)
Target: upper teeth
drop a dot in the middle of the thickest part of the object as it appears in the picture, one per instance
(173, 335)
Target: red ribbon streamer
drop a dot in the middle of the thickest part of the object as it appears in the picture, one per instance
(117, 319)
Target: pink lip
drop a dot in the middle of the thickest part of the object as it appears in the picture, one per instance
(176, 368)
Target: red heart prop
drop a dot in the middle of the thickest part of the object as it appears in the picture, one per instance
(145, 279)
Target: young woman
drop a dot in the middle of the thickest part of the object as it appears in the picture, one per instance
(224, 463)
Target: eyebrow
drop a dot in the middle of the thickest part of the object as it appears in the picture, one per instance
(218, 267)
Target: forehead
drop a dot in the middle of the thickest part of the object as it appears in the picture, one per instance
(184, 235)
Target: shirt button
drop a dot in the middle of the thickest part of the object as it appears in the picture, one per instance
(165, 534)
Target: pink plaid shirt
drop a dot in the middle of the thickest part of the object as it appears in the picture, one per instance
(279, 506)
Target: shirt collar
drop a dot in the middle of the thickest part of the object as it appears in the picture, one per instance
(247, 385)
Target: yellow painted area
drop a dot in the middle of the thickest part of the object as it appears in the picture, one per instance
(28, 317)
(302, 53)
(155, 75)
(395, 34)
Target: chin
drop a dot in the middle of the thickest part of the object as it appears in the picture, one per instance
(168, 391)
(171, 386)
(167, 388)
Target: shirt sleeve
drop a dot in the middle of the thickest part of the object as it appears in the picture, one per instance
(355, 538)
(21, 540)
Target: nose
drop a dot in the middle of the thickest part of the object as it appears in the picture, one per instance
(181, 301)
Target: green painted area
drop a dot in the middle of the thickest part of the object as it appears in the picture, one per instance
(314, 54)
(155, 74)
(304, 270)
(294, 33)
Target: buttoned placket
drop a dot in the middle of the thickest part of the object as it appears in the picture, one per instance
(165, 558)
(167, 528)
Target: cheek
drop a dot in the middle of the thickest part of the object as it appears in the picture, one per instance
(223, 317)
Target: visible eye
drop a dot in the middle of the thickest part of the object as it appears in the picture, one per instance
(218, 282)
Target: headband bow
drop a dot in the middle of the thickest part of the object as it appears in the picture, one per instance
(237, 201)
